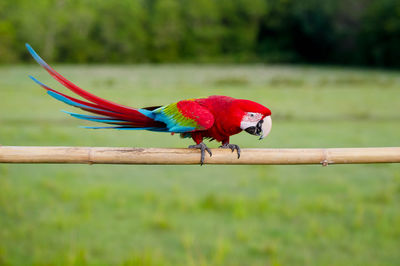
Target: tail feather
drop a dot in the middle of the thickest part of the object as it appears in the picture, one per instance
(128, 128)
(98, 118)
(108, 114)
(64, 99)
(124, 116)
(65, 96)
(91, 97)
(84, 106)
(102, 119)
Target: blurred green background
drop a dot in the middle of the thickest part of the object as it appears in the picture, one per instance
(209, 215)
(361, 32)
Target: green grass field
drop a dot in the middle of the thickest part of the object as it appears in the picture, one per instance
(209, 215)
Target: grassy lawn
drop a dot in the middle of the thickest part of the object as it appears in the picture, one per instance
(209, 215)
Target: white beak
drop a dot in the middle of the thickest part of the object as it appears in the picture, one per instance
(266, 127)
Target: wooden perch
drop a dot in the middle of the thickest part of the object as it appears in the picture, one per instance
(97, 155)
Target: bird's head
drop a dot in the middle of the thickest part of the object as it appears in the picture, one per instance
(255, 118)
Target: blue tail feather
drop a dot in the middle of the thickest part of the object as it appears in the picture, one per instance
(121, 128)
(64, 99)
(36, 56)
(38, 82)
(70, 102)
(94, 118)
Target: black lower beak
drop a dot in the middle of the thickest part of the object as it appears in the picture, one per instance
(255, 130)
(251, 130)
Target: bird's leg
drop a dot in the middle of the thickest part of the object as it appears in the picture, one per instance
(233, 147)
(202, 148)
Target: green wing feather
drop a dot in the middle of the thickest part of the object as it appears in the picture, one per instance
(184, 116)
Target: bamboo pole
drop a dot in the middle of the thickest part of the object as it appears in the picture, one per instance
(98, 155)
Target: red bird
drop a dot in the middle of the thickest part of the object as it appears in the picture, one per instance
(215, 117)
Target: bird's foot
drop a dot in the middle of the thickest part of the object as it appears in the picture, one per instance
(233, 147)
(202, 148)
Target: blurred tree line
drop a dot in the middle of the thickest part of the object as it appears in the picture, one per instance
(362, 32)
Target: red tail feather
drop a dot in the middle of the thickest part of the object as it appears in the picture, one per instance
(102, 106)
(91, 97)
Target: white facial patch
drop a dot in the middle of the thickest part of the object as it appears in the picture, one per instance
(250, 119)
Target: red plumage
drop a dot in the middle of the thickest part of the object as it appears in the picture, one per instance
(228, 113)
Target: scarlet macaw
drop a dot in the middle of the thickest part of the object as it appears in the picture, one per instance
(215, 117)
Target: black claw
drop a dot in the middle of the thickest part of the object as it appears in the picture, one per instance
(202, 148)
(233, 147)
(238, 151)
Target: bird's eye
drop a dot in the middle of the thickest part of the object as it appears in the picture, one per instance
(251, 115)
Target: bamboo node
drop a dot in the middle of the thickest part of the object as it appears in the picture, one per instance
(90, 157)
(325, 161)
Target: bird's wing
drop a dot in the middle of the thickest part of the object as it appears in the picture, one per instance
(120, 116)
(183, 116)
